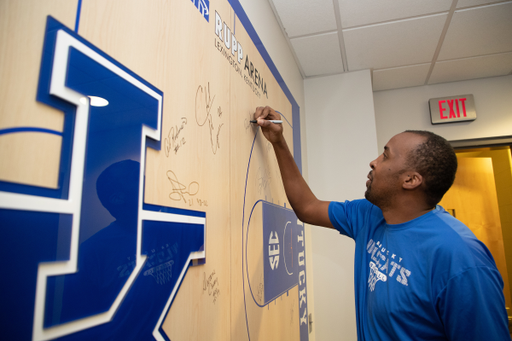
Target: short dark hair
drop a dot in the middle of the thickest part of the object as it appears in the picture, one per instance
(436, 161)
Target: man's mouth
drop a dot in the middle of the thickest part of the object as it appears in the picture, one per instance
(368, 182)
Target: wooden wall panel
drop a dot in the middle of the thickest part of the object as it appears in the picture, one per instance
(256, 177)
(168, 43)
(33, 157)
(212, 159)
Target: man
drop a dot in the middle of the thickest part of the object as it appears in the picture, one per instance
(420, 274)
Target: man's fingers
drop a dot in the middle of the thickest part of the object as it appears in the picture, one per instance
(266, 113)
(264, 123)
(260, 112)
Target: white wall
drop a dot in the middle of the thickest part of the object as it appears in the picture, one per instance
(401, 109)
(341, 141)
(340, 129)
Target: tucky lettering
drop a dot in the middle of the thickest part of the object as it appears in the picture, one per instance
(301, 259)
(302, 277)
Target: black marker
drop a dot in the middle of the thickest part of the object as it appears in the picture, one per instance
(273, 121)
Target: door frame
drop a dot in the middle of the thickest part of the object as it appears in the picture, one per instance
(482, 142)
(486, 142)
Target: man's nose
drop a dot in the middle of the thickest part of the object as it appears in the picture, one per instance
(372, 164)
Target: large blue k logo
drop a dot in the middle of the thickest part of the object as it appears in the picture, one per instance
(90, 260)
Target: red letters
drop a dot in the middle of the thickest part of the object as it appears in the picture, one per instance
(450, 104)
(463, 100)
(452, 109)
(441, 109)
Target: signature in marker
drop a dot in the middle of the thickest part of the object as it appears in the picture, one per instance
(204, 117)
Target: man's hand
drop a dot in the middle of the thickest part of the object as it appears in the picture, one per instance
(273, 132)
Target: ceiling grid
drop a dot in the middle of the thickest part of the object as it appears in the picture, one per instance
(403, 42)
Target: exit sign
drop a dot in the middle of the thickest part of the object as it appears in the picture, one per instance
(452, 109)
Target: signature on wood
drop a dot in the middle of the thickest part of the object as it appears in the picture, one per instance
(205, 117)
(173, 141)
(211, 284)
(181, 192)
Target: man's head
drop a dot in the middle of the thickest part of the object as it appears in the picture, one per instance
(418, 161)
(436, 161)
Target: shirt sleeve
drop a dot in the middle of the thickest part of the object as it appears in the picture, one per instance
(472, 306)
(350, 217)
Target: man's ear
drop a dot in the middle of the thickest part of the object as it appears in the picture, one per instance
(412, 180)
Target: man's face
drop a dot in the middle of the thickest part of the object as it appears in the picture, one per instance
(385, 179)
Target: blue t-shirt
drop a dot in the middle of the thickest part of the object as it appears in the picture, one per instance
(426, 279)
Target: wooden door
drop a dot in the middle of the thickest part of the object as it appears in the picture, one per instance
(474, 201)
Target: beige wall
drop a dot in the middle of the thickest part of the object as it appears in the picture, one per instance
(341, 141)
(401, 109)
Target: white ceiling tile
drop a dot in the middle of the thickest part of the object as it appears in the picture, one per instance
(478, 31)
(471, 3)
(471, 68)
(303, 17)
(398, 38)
(318, 55)
(398, 43)
(401, 77)
(364, 12)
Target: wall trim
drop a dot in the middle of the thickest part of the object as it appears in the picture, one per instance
(482, 142)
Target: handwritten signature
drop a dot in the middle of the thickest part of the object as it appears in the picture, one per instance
(202, 202)
(173, 140)
(211, 284)
(204, 117)
(179, 190)
(263, 179)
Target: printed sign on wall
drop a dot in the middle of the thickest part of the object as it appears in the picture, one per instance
(452, 109)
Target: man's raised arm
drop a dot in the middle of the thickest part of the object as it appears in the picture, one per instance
(305, 204)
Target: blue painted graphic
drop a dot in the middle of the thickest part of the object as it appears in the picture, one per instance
(279, 250)
(204, 8)
(89, 260)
